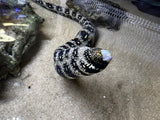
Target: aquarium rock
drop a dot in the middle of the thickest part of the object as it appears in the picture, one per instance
(18, 29)
(151, 7)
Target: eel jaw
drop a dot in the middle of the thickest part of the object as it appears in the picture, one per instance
(106, 55)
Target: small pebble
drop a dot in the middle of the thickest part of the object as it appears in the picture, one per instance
(16, 84)
(104, 97)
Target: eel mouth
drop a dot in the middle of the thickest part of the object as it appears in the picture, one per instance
(106, 55)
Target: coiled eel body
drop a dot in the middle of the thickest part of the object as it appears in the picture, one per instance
(78, 56)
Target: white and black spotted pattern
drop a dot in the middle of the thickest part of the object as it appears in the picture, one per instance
(76, 57)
